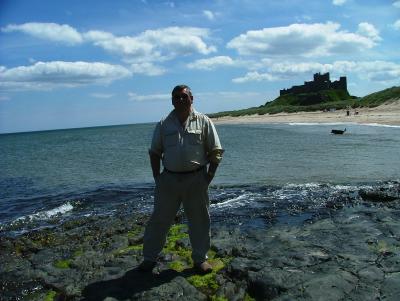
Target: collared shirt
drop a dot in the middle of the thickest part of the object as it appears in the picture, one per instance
(188, 147)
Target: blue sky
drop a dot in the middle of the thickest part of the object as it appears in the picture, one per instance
(66, 64)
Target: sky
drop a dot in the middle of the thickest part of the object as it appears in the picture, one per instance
(71, 64)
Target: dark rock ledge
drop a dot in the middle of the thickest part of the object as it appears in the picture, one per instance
(353, 253)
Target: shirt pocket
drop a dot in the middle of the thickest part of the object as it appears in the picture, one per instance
(171, 139)
(194, 137)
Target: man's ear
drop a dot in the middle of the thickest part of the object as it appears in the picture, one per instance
(191, 98)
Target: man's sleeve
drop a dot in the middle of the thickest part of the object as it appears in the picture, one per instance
(156, 143)
(214, 148)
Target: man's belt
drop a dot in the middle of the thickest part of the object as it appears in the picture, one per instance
(185, 172)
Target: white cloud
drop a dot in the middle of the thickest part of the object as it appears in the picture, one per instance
(396, 4)
(199, 96)
(339, 2)
(179, 40)
(255, 76)
(292, 68)
(151, 45)
(147, 68)
(209, 14)
(102, 95)
(368, 30)
(128, 46)
(375, 71)
(300, 40)
(211, 63)
(48, 75)
(150, 97)
(216, 62)
(49, 31)
(396, 25)
(378, 71)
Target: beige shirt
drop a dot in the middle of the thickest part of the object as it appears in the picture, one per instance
(186, 148)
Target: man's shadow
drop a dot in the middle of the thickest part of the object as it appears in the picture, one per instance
(133, 282)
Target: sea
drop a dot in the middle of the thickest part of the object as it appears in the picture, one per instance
(270, 173)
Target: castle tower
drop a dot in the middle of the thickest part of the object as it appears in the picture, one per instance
(343, 83)
(320, 82)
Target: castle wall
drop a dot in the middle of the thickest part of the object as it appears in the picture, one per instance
(340, 84)
(320, 82)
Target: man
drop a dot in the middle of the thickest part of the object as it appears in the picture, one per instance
(187, 143)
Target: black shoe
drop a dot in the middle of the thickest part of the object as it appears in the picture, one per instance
(203, 268)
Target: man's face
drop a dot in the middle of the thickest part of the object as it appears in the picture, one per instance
(182, 100)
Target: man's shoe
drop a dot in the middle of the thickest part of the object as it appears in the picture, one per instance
(147, 266)
(203, 268)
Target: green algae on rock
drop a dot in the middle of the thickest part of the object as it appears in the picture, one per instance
(50, 296)
(63, 264)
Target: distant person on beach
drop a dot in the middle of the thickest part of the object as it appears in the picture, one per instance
(188, 145)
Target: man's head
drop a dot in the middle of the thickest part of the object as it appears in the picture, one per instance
(182, 98)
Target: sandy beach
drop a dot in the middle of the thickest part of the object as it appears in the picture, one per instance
(387, 114)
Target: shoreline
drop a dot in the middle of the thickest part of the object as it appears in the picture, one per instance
(387, 114)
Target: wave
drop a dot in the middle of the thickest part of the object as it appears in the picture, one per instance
(382, 125)
(48, 214)
(344, 123)
(305, 185)
(337, 187)
(320, 123)
(236, 202)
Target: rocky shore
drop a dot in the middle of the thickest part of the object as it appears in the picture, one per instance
(348, 250)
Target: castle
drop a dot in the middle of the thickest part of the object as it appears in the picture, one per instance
(320, 82)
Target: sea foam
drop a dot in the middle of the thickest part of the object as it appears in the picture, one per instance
(44, 215)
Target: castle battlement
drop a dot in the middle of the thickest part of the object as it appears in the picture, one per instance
(320, 82)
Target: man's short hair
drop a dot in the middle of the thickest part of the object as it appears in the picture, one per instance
(179, 88)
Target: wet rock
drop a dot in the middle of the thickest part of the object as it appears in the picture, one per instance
(43, 257)
(240, 267)
(119, 242)
(370, 292)
(371, 274)
(232, 291)
(391, 263)
(113, 273)
(332, 286)
(381, 195)
(177, 289)
(391, 287)
(264, 287)
(9, 286)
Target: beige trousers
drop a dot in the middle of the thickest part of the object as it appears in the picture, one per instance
(171, 191)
